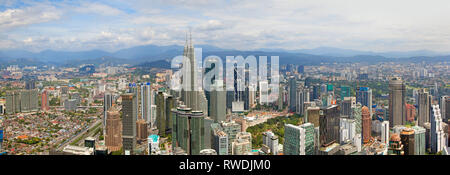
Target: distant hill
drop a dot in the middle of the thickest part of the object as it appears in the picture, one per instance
(151, 53)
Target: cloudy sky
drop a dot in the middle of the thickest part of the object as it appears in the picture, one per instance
(382, 25)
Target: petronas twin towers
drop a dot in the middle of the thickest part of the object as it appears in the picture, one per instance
(192, 93)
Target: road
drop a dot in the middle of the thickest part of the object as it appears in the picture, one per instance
(80, 134)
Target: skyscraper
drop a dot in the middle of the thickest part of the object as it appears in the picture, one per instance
(218, 102)
(302, 97)
(44, 101)
(445, 107)
(364, 96)
(192, 94)
(146, 102)
(437, 132)
(107, 103)
(419, 140)
(397, 101)
(190, 130)
(129, 122)
(410, 112)
(424, 102)
(366, 124)
(292, 93)
(407, 138)
(345, 92)
(113, 130)
(329, 125)
(161, 114)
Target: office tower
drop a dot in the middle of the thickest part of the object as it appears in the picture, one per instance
(146, 102)
(364, 96)
(346, 106)
(292, 138)
(347, 130)
(208, 132)
(316, 92)
(407, 138)
(397, 101)
(220, 143)
(298, 140)
(437, 132)
(271, 141)
(241, 147)
(12, 98)
(190, 130)
(113, 133)
(192, 95)
(218, 102)
(445, 108)
(107, 103)
(424, 107)
(264, 92)
(292, 93)
(385, 133)
(141, 130)
(312, 115)
(357, 115)
(170, 104)
(280, 98)
(366, 124)
(329, 125)
(129, 122)
(307, 144)
(410, 112)
(345, 92)
(251, 95)
(419, 140)
(44, 101)
(161, 114)
(302, 97)
(70, 105)
(230, 128)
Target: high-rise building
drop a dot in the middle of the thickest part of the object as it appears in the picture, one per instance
(419, 140)
(146, 102)
(70, 105)
(271, 141)
(410, 112)
(44, 101)
(161, 114)
(385, 133)
(445, 108)
(141, 130)
(366, 124)
(129, 122)
(397, 101)
(292, 137)
(220, 143)
(170, 104)
(347, 130)
(329, 125)
(364, 96)
(424, 107)
(189, 133)
(113, 130)
(30, 84)
(302, 97)
(345, 92)
(407, 138)
(218, 102)
(437, 131)
(241, 147)
(357, 115)
(292, 93)
(192, 93)
(312, 115)
(107, 103)
(346, 106)
(280, 98)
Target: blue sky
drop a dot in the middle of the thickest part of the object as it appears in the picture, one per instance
(382, 25)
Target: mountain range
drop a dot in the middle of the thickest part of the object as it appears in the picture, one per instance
(150, 53)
